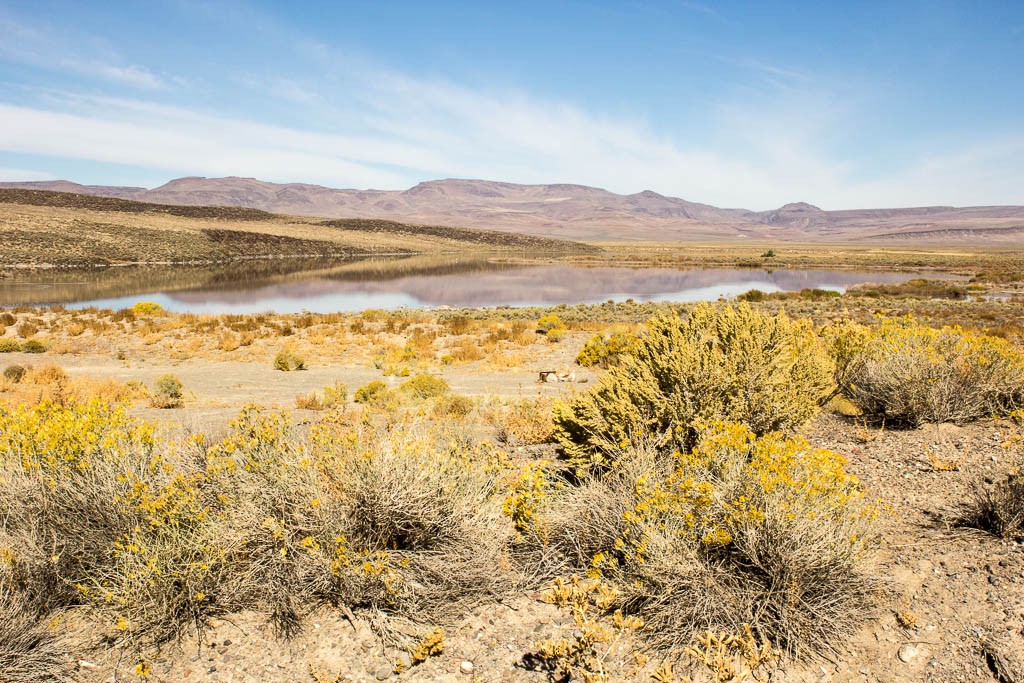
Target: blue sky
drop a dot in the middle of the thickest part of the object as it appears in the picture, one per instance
(753, 104)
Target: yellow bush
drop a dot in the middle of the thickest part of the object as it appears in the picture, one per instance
(745, 530)
(904, 372)
(369, 393)
(722, 362)
(147, 308)
(550, 322)
(425, 386)
(605, 348)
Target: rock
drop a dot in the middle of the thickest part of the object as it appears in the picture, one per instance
(404, 661)
(907, 653)
(383, 673)
(86, 664)
(466, 666)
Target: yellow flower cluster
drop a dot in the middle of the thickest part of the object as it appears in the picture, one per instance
(63, 439)
(732, 479)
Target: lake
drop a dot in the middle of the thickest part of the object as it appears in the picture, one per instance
(417, 282)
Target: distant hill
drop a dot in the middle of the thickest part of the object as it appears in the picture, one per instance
(46, 228)
(577, 212)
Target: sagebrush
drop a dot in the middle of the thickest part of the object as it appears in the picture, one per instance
(720, 363)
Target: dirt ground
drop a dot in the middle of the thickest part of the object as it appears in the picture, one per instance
(953, 611)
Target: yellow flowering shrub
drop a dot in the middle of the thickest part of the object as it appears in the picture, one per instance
(904, 372)
(605, 348)
(59, 440)
(721, 362)
(767, 531)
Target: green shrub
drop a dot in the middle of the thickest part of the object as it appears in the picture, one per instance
(370, 393)
(902, 372)
(33, 346)
(425, 386)
(167, 392)
(721, 363)
(550, 322)
(287, 360)
(605, 348)
(14, 373)
(8, 345)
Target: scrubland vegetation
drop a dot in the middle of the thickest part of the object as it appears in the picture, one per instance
(675, 504)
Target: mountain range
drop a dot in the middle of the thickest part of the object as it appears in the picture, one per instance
(578, 212)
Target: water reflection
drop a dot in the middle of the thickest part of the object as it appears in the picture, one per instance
(324, 285)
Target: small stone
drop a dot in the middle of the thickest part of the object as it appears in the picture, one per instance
(86, 664)
(404, 661)
(907, 653)
(466, 666)
(383, 673)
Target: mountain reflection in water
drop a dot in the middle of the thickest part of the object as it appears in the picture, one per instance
(325, 286)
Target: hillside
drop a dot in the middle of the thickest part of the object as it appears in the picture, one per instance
(578, 212)
(43, 228)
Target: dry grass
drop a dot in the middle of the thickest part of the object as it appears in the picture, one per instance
(999, 508)
(29, 651)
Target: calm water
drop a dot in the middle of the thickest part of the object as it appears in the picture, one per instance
(416, 283)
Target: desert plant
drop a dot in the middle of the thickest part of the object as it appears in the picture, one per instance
(29, 652)
(605, 348)
(6, 320)
(33, 346)
(8, 345)
(550, 322)
(147, 308)
(167, 392)
(335, 395)
(555, 334)
(287, 360)
(722, 362)
(369, 393)
(519, 422)
(453, 406)
(14, 373)
(740, 530)
(311, 401)
(1000, 507)
(425, 386)
(903, 372)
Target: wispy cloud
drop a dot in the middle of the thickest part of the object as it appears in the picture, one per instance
(42, 47)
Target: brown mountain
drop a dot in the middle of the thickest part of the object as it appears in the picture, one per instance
(578, 212)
